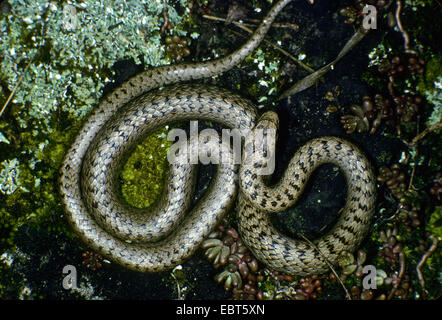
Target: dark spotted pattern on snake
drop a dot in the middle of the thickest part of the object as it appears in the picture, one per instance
(164, 236)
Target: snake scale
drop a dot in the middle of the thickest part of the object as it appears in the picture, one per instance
(159, 238)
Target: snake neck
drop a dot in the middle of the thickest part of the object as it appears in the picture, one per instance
(160, 76)
(309, 157)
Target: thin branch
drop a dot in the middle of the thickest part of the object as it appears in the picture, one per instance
(413, 171)
(179, 294)
(306, 67)
(329, 265)
(402, 29)
(390, 85)
(274, 24)
(401, 275)
(425, 132)
(410, 184)
(311, 79)
(242, 26)
(422, 262)
(292, 26)
(166, 20)
(15, 88)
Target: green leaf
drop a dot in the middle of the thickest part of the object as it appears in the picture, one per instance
(3, 138)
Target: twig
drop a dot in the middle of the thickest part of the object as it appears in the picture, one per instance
(390, 85)
(329, 265)
(180, 297)
(242, 26)
(15, 88)
(401, 275)
(311, 79)
(402, 29)
(424, 133)
(306, 67)
(413, 171)
(292, 26)
(166, 20)
(422, 262)
(274, 24)
(414, 142)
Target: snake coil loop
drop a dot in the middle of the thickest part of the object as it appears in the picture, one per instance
(164, 236)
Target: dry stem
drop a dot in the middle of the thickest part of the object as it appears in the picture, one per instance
(425, 132)
(15, 88)
(402, 29)
(329, 265)
(401, 275)
(422, 262)
(245, 28)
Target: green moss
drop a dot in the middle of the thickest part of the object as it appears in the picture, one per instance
(268, 287)
(36, 200)
(142, 177)
(61, 84)
(433, 70)
(434, 225)
(352, 280)
(10, 283)
(384, 157)
(372, 80)
(266, 63)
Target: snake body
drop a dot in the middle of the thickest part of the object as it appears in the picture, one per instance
(164, 236)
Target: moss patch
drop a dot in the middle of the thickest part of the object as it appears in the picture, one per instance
(142, 177)
(432, 72)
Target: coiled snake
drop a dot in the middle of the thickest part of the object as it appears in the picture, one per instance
(162, 237)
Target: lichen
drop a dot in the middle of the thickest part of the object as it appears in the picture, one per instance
(430, 85)
(434, 97)
(10, 176)
(433, 71)
(267, 65)
(71, 49)
(63, 53)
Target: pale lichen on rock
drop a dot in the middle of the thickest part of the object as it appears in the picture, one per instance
(56, 60)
